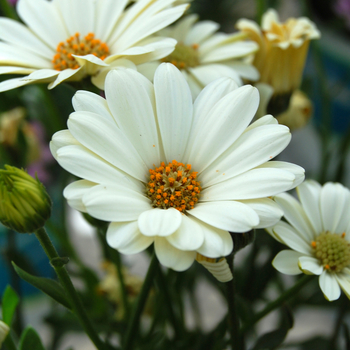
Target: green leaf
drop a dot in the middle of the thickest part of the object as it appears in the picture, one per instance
(10, 301)
(46, 285)
(272, 340)
(346, 335)
(30, 340)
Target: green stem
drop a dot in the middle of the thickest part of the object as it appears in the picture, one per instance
(72, 294)
(165, 292)
(233, 320)
(114, 256)
(9, 342)
(140, 304)
(8, 10)
(342, 310)
(343, 151)
(278, 302)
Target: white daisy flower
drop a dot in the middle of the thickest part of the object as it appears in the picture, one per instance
(203, 54)
(69, 40)
(318, 231)
(166, 171)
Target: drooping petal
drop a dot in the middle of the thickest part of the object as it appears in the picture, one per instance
(189, 236)
(159, 222)
(127, 238)
(61, 139)
(174, 110)
(172, 257)
(116, 203)
(329, 286)
(286, 261)
(230, 216)
(310, 265)
(344, 283)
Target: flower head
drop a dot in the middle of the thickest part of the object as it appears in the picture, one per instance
(318, 231)
(69, 40)
(166, 171)
(24, 203)
(282, 49)
(203, 54)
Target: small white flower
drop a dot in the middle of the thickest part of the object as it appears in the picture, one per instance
(69, 40)
(318, 231)
(203, 54)
(166, 171)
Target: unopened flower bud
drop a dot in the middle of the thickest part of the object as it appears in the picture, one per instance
(24, 203)
(4, 330)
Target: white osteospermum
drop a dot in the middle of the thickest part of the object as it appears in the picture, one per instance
(69, 40)
(166, 171)
(318, 231)
(203, 54)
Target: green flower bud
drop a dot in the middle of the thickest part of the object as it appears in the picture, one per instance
(24, 203)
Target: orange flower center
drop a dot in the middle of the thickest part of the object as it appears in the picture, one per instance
(173, 186)
(75, 45)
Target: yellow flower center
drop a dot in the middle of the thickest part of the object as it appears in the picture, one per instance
(75, 45)
(333, 251)
(173, 186)
(183, 56)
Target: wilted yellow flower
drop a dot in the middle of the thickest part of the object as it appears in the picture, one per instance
(24, 203)
(219, 268)
(10, 123)
(4, 330)
(283, 49)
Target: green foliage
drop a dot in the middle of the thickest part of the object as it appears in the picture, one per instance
(10, 301)
(46, 285)
(30, 340)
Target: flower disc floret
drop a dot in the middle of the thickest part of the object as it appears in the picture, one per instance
(75, 45)
(183, 56)
(332, 250)
(173, 186)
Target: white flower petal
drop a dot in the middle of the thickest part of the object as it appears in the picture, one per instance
(127, 238)
(61, 139)
(174, 110)
(13, 84)
(329, 286)
(222, 126)
(65, 75)
(344, 283)
(115, 203)
(104, 138)
(292, 238)
(332, 202)
(17, 34)
(268, 211)
(132, 109)
(217, 243)
(296, 216)
(255, 183)
(189, 236)
(229, 216)
(251, 149)
(159, 222)
(74, 193)
(286, 261)
(47, 23)
(310, 266)
(201, 31)
(309, 195)
(171, 257)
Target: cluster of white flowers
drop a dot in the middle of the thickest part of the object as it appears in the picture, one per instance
(171, 156)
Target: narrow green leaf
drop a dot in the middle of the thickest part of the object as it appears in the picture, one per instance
(46, 285)
(30, 340)
(10, 301)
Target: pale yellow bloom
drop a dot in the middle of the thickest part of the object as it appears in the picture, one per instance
(283, 49)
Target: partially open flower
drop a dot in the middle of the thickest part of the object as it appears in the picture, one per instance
(283, 50)
(4, 330)
(24, 203)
